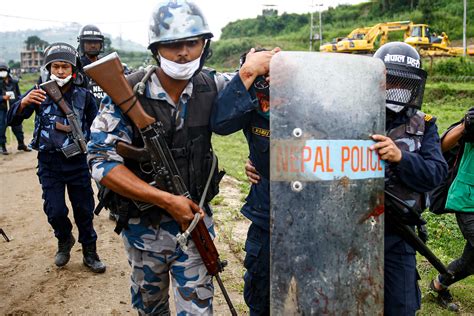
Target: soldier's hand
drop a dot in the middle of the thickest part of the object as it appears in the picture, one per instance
(386, 148)
(251, 172)
(6, 97)
(35, 96)
(256, 64)
(182, 210)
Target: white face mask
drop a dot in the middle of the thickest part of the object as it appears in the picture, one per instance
(3, 74)
(400, 95)
(59, 81)
(179, 71)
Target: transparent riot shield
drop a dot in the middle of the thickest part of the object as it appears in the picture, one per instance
(326, 184)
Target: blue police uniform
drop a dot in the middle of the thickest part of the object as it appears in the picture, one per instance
(55, 171)
(421, 169)
(11, 86)
(237, 109)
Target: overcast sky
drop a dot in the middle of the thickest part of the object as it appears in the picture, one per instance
(130, 18)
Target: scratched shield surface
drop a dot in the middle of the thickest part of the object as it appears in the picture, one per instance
(326, 184)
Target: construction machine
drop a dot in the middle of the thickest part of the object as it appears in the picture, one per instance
(428, 43)
(366, 45)
(356, 34)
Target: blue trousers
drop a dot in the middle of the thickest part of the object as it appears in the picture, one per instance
(257, 276)
(402, 293)
(17, 130)
(56, 174)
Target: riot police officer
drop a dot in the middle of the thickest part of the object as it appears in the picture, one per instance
(56, 171)
(10, 92)
(180, 95)
(91, 45)
(244, 105)
(414, 166)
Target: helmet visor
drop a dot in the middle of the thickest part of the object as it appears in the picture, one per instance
(405, 85)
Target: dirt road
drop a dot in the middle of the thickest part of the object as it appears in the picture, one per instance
(31, 284)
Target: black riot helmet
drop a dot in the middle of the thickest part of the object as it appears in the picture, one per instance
(60, 52)
(405, 78)
(90, 33)
(4, 67)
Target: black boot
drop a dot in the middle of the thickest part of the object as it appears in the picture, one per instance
(64, 251)
(3, 149)
(22, 146)
(444, 298)
(91, 259)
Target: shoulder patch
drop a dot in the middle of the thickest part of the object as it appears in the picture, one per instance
(428, 117)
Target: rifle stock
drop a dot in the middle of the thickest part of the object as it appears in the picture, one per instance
(108, 73)
(79, 146)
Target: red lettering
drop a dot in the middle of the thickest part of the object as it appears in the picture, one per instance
(293, 159)
(304, 158)
(345, 158)
(355, 156)
(318, 159)
(328, 160)
(362, 159)
(379, 163)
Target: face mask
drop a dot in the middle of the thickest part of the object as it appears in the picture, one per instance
(3, 74)
(59, 81)
(179, 71)
(400, 95)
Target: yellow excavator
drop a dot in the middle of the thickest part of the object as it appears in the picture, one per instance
(430, 44)
(366, 44)
(363, 40)
(356, 34)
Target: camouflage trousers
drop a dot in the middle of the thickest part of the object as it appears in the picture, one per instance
(155, 258)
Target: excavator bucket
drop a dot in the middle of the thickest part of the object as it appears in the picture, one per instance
(326, 184)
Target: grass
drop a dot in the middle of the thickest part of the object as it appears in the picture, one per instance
(445, 100)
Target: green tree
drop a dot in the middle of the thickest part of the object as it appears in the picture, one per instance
(34, 41)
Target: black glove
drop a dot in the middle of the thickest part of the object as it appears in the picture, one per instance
(469, 126)
(422, 233)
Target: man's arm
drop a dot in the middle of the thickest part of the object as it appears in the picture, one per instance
(233, 105)
(107, 167)
(424, 170)
(25, 106)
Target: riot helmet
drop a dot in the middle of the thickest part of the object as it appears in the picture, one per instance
(60, 52)
(405, 78)
(176, 21)
(90, 33)
(4, 70)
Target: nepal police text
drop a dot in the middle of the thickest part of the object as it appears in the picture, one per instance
(98, 92)
(327, 159)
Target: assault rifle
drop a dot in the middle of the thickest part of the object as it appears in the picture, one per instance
(396, 211)
(108, 74)
(74, 128)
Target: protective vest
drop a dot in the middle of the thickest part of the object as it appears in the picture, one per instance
(190, 145)
(408, 137)
(90, 84)
(46, 137)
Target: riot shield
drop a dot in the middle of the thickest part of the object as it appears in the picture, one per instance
(326, 184)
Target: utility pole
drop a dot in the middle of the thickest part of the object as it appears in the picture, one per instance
(464, 44)
(311, 28)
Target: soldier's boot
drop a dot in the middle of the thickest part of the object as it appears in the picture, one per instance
(64, 251)
(3, 149)
(22, 146)
(91, 259)
(444, 298)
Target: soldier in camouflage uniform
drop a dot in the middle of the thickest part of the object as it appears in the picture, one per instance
(180, 95)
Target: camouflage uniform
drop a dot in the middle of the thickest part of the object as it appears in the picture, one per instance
(153, 253)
